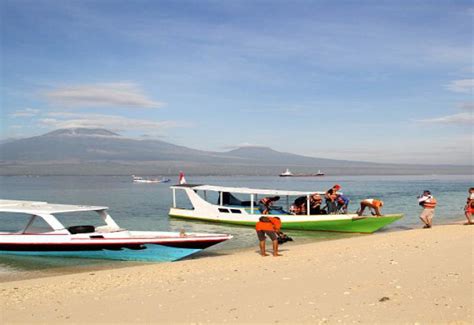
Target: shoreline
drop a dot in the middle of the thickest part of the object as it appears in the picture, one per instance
(419, 275)
(104, 265)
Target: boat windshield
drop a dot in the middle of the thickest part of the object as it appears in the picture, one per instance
(70, 219)
(22, 222)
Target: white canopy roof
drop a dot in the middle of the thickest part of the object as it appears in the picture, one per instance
(35, 207)
(246, 190)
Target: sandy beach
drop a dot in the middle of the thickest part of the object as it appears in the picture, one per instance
(413, 276)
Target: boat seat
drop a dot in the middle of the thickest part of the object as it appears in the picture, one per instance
(81, 229)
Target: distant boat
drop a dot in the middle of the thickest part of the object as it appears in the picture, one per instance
(138, 179)
(288, 173)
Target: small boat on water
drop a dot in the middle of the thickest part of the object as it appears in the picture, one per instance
(138, 179)
(219, 204)
(107, 241)
(288, 173)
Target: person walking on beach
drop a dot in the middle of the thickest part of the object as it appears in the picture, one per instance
(266, 203)
(469, 208)
(331, 196)
(428, 202)
(265, 227)
(374, 206)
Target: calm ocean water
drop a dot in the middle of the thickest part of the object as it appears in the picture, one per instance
(145, 207)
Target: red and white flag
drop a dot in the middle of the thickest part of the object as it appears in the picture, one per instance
(182, 180)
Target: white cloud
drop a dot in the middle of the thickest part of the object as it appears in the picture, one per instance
(461, 86)
(61, 120)
(460, 118)
(102, 95)
(27, 112)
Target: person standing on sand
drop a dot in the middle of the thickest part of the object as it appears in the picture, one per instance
(469, 208)
(428, 202)
(265, 227)
(374, 205)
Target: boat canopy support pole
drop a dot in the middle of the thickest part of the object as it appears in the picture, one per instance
(108, 219)
(32, 219)
(220, 198)
(252, 197)
(174, 198)
(308, 207)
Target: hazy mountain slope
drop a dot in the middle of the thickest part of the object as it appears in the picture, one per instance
(101, 152)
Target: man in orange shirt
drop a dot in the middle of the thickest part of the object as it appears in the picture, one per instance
(374, 205)
(265, 227)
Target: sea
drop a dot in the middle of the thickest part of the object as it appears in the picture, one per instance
(142, 206)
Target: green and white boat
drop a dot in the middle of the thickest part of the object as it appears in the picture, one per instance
(231, 210)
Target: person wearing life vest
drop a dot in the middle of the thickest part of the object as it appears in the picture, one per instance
(266, 203)
(374, 205)
(331, 196)
(282, 237)
(265, 227)
(428, 202)
(469, 208)
(342, 203)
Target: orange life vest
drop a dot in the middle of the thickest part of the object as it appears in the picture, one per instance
(276, 223)
(430, 203)
(264, 226)
(376, 203)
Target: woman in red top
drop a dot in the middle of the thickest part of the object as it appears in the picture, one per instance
(469, 208)
(265, 227)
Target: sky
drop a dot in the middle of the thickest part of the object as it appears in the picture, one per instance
(382, 81)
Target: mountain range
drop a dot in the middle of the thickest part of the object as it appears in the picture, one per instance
(83, 151)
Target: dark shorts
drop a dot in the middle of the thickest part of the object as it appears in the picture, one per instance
(271, 234)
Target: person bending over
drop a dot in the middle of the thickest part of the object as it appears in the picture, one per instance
(374, 205)
(266, 203)
(265, 227)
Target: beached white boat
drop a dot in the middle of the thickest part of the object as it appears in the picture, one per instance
(227, 208)
(107, 241)
(138, 179)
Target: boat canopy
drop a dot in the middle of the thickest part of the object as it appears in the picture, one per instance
(36, 207)
(246, 190)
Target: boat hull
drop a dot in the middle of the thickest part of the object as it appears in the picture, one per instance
(355, 225)
(148, 253)
(128, 250)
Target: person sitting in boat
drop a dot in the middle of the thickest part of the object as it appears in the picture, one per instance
(315, 202)
(265, 227)
(299, 205)
(374, 205)
(266, 203)
(342, 202)
(331, 196)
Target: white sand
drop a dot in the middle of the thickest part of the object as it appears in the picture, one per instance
(423, 276)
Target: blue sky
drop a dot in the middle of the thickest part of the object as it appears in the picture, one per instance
(385, 81)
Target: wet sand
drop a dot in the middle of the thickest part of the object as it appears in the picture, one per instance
(413, 276)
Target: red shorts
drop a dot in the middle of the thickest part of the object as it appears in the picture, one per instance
(470, 209)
